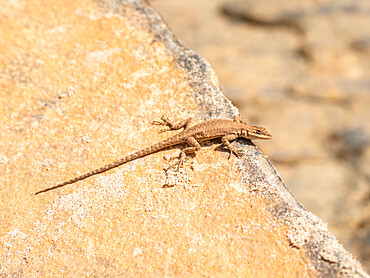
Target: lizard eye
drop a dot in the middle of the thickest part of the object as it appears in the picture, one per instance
(258, 132)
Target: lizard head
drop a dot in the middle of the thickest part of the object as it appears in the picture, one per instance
(256, 132)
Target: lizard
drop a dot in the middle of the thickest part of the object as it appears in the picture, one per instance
(225, 129)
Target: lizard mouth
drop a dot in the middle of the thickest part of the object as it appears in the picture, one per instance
(267, 136)
(260, 133)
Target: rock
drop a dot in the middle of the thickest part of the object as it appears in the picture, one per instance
(304, 82)
(81, 83)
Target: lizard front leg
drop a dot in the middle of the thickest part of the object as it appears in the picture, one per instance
(165, 121)
(238, 118)
(226, 142)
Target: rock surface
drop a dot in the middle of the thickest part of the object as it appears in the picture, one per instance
(300, 68)
(81, 82)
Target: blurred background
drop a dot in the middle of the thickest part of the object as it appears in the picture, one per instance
(302, 70)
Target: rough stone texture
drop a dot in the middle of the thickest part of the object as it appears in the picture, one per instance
(80, 83)
(300, 68)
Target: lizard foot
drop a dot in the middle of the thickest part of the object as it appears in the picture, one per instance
(238, 118)
(236, 152)
(171, 125)
(164, 121)
(181, 159)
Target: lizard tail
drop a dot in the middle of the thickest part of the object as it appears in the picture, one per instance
(82, 177)
(144, 152)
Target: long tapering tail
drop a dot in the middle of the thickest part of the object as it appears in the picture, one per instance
(152, 149)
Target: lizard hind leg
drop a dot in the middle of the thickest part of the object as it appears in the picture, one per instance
(194, 146)
(171, 125)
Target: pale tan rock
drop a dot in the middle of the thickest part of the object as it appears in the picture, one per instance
(81, 82)
(300, 68)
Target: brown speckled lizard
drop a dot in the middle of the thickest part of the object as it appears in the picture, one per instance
(227, 130)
